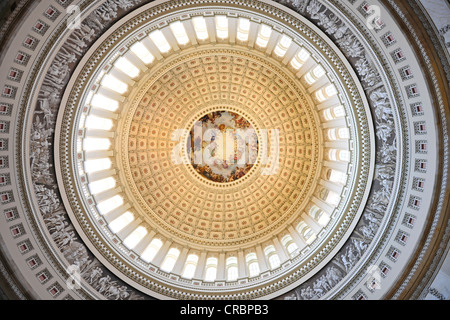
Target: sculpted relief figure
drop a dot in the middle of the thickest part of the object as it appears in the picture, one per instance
(385, 157)
(360, 246)
(334, 275)
(49, 117)
(66, 55)
(95, 274)
(308, 294)
(384, 130)
(298, 4)
(125, 4)
(331, 23)
(387, 152)
(380, 102)
(384, 171)
(53, 213)
(82, 36)
(82, 263)
(371, 218)
(313, 9)
(103, 284)
(366, 72)
(108, 11)
(354, 48)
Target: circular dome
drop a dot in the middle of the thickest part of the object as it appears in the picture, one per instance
(208, 150)
(302, 186)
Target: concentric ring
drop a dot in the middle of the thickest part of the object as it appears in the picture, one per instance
(230, 236)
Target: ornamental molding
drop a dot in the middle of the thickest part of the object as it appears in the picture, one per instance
(383, 232)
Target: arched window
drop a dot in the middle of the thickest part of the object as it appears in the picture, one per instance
(339, 155)
(211, 269)
(315, 74)
(99, 186)
(339, 111)
(125, 65)
(243, 29)
(319, 215)
(272, 257)
(306, 232)
(252, 264)
(334, 113)
(190, 266)
(283, 46)
(344, 155)
(332, 198)
(315, 212)
(111, 82)
(332, 154)
(326, 93)
(343, 133)
(338, 134)
(332, 134)
(232, 268)
(102, 102)
(121, 222)
(301, 226)
(133, 238)
(338, 176)
(151, 250)
(170, 260)
(300, 58)
(263, 35)
(142, 53)
(289, 244)
(100, 123)
(110, 204)
(179, 32)
(160, 41)
(330, 90)
(90, 144)
(200, 28)
(97, 165)
(222, 27)
(327, 114)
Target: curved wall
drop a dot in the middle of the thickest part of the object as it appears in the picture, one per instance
(396, 249)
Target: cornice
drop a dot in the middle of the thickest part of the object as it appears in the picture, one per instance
(13, 19)
(421, 264)
(9, 284)
(431, 250)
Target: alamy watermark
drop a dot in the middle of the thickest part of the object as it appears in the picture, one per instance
(373, 278)
(374, 13)
(74, 20)
(74, 280)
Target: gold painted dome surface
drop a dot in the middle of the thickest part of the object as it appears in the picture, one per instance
(139, 199)
(174, 194)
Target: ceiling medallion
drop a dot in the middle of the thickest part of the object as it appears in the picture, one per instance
(223, 146)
